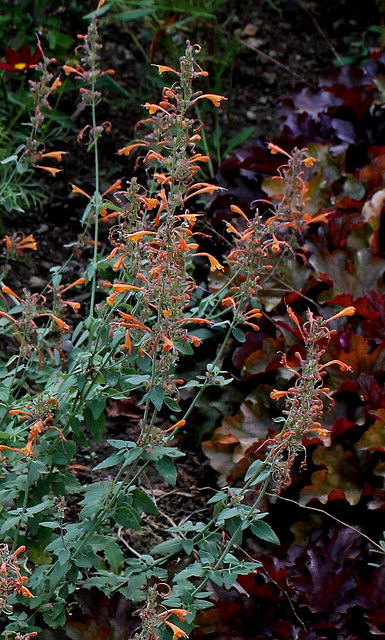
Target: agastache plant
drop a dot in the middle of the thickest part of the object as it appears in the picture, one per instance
(154, 241)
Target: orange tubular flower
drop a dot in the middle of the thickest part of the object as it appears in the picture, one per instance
(348, 311)
(180, 613)
(236, 209)
(253, 326)
(177, 631)
(125, 151)
(214, 264)
(57, 155)
(127, 342)
(68, 70)
(63, 326)
(200, 321)
(194, 340)
(231, 229)
(253, 313)
(215, 99)
(9, 292)
(198, 157)
(6, 315)
(17, 242)
(27, 243)
(168, 344)
(52, 170)
(178, 424)
(3, 446)
(277, 395)
(275, 149)
(207, 188)
(137, 235)
(74, 284)
(342, 365)
(76, 189)
(153, 108)
(134, 322)
(228, 302)
(120, 288)
(162, 178)
(162, 69)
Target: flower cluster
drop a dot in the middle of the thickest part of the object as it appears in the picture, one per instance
(88, 71)
(154, 240)
(304, 404)
(151, 618)
(17, 243)
(11, 580)
(291, 189)
(32, 307)
(41, 413)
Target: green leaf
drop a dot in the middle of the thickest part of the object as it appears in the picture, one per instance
(254, 470)
(55, 615)
(134, 14)
(263, 531)
(187, 546)
(143, 502)
(172, 404)
(111, 461)
(97, 406)
(114, 556)
(95, 426)
(238, 334)
(121, 444)
(169, 546)
(127, 517)
(156, 395)
(166, 467)
(4, 393)
(65, 454)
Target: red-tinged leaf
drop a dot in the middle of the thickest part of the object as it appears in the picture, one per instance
(374, 437)
(348, 204)
(253, 342)
(265, 359)
(359, 356)
(97, 617)
(371, 392)
(373, 599)
(227, 448)
(310, 102)
(340, 426)
(363, 305)
(340, 480)
(350, 274)
(90, 630)
(321, 572)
